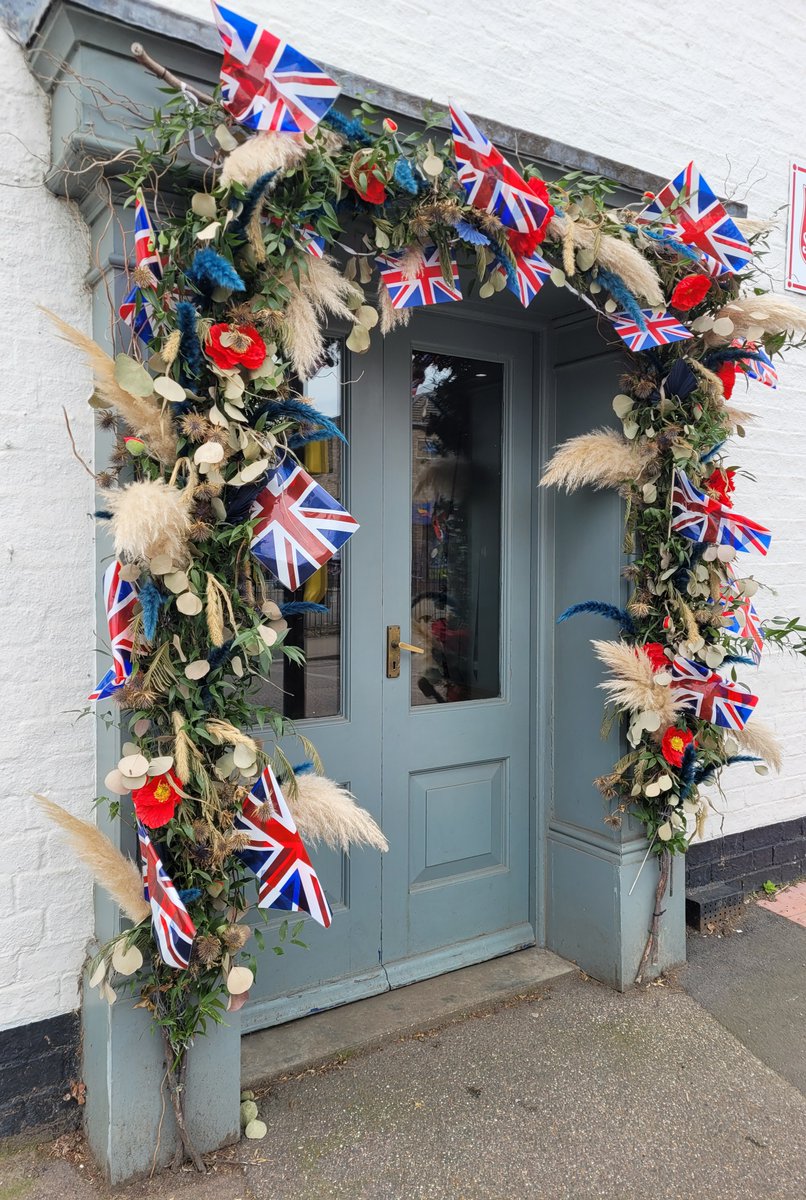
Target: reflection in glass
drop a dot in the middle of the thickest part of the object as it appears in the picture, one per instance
(457, 410)
(313, 689)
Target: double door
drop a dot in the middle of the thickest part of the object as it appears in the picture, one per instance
(418, 680)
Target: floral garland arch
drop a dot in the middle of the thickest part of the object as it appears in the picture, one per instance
(228, 306)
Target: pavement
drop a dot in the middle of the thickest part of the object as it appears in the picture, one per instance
(691, 1088)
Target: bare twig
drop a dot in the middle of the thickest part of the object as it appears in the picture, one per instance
(176, 1090)
(650, 949)
(145, 60)
(89, 470)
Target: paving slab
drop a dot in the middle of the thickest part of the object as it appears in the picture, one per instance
(753, 980)
(343, 1031)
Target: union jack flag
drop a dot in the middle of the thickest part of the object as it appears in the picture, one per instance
(661, 329)
(427, 287)
(267, 84)
(532, 274)
(491, 182)
(699, 219)
(137, 309)
(761, 368)
(708, 696)
(703, 519)
(313, 242)
(276, 854)
(741, 618)
(171, 922)
(299, 527)
(119, 599)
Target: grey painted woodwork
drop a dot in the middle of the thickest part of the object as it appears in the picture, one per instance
(573, 880)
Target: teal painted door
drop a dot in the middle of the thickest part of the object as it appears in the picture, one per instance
(438, 472)
(456, 578)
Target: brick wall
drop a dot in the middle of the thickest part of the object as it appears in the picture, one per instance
(648, 91)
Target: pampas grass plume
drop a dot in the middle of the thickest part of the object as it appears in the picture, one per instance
(326, 812)
(150, 517)
(600, 459)
(770, 313)
(143, 415)
(261, 153)
(633, 685)
(115, 873)
(759, 739)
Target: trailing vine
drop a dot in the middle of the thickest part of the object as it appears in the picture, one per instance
(252, 251)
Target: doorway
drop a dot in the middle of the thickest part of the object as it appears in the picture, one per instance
(436, 739)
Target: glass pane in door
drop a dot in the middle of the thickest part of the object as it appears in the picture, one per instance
(457, 470)
(313, 688)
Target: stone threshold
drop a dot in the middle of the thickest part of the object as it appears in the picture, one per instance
(322, 1037)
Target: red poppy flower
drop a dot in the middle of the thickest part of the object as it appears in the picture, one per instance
(655, 653)
(375, 191)
(727, 373)
(155, 803)
(690, 291)
(674, 745)
(721, 484)
(235, 346)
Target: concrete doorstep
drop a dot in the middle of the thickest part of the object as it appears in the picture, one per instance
(342, 1032)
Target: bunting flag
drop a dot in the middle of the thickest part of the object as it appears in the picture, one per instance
(137, 309)
(699, 219)
(120, 597)
(709, 696)
(427, 287)
(532, 273)
(703, 519)
(761, 368)
(491, 182)
(171, 922)
(267, 84)
(276, 855)
(661, 328)
(741, 618)
(299, 525)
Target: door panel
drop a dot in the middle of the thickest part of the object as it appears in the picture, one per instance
(456, 789)
(342, 962)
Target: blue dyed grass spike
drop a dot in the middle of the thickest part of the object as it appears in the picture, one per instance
(304, 768)
(190, 350)
(731, 354)
(218, 655)
(469, 233)
(667, 240)
(707, 774)
(618, 289)
(298, 410)
(688, 769)
(188, 895)
(737, 660)
(209, 270)
(252, 199)
(598, 608)
(712, 453)
(151, 600)
(349, 128)
(294, 607)
(508, 267)
(405, 178)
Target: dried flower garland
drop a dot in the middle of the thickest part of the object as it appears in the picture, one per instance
(232, 303)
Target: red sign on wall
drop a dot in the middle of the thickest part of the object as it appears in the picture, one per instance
(796, 238)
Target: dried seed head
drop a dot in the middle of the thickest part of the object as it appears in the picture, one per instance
(196, 428)
(208, 949)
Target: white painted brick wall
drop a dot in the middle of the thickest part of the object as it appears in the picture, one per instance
(616, 80)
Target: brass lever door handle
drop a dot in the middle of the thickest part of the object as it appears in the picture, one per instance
(393, 648)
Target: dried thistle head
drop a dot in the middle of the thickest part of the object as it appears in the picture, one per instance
(120, 455)
(199, 531)
(235, 937)
(637, 384)
(613, 819)
(106, 418)
(105, 479)
(237, 841)
(205, 492)
(202, 832)
(638, 607)
(208, 949)
(143, 277)
(196, 428)
(133, 696)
